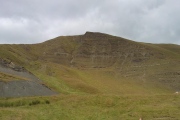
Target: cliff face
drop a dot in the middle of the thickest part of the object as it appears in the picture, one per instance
(101, 50)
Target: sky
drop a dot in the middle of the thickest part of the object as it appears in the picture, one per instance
(34, 21)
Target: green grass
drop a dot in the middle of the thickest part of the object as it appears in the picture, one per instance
(69, 80)
(92, 107)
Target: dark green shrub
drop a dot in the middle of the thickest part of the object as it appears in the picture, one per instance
(47, 101)
(35, 102)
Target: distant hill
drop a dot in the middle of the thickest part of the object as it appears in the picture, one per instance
(100, 63)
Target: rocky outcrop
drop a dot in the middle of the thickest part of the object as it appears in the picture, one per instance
(9, 64)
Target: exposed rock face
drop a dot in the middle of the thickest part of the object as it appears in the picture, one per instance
(11, 65)
(101, 50)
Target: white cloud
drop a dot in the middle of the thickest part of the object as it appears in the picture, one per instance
(24, 21)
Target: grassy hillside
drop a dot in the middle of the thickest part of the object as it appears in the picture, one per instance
(97, 76)
(94, 61)
(99, 63)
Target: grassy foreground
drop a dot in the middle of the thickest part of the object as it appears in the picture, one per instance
(91, 107)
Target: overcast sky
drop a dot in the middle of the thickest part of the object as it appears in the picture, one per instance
(34, 21)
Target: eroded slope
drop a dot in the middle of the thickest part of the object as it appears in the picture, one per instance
(16, 81)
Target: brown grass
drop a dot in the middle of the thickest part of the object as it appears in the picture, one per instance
(8, 77)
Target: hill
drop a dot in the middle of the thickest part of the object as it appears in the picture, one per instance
(92, 76)
(100, 63)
